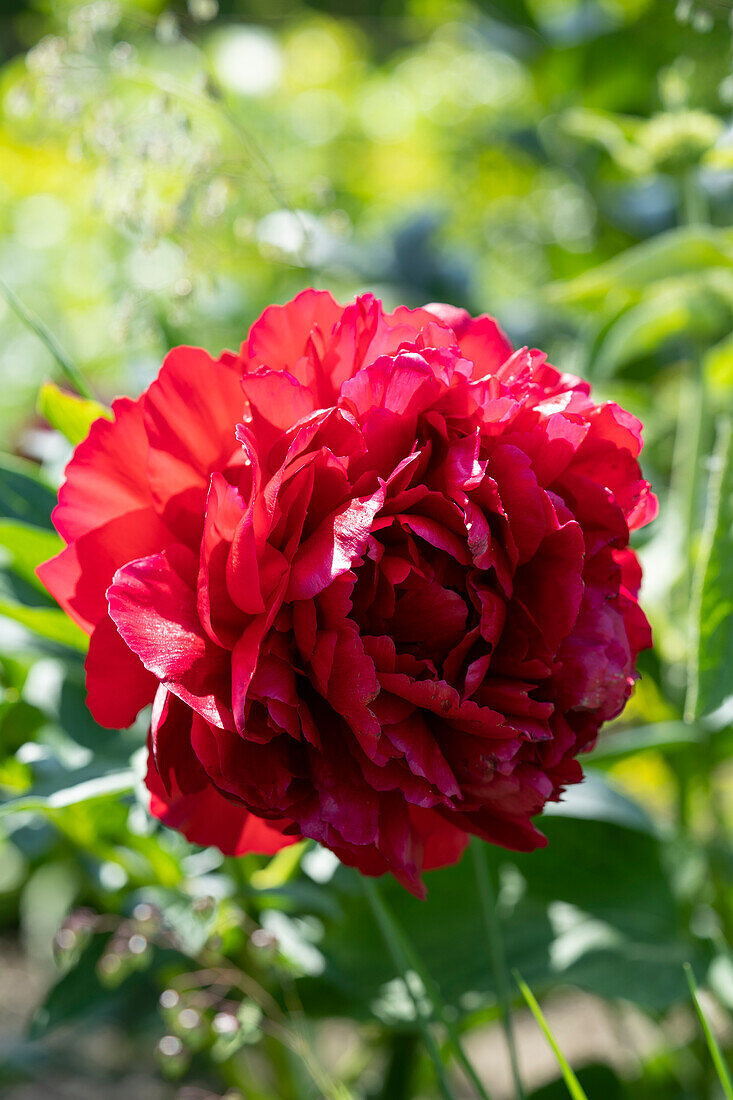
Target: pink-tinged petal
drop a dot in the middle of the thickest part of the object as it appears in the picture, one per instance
(190, 412)
(462, 467)
(281, 335)
(363, 333)
(118, 686)
(153, 604)
(277, 401)
(404, 385)
(453, 316)
(480, 339)
(334, 547)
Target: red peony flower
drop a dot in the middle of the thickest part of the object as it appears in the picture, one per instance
(373, 575)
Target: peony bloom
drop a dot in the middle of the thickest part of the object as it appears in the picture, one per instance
(372, 573)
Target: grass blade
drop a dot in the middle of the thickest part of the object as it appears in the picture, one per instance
(36, 325)
(715, 1052)
(573, 1084)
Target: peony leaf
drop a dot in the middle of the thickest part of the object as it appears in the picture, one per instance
(23, 599)
(24, 547)
(24, 494)
(87, 786)
(71, 415)
(677, 252)
(697, 306)
(711, 645)
(48, 622)
(594, 909)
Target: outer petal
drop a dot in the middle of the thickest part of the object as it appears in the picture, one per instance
(191, 412)
(443, 843)
(105, 512)
(118, 685)
(280, 337)
(196, 808)
(107, 474)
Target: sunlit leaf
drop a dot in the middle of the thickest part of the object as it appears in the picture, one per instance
(711, 643)
(676, 252)
(69, 414)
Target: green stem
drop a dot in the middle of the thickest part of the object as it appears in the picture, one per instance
(694, 206)
(394, 942)
(36, 325)
(492, 924)
(410, 960)
(404, 1047)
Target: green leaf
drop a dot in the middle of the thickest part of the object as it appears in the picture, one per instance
(24, 494)
(616, 745)
(573, 1084)
(594, 908)
(596, 800)
(711, 642)
(26, 547)
(715, 1052)
(71, 415)
(696, 307)
(676, 252)
(49, 623)
(88, 784)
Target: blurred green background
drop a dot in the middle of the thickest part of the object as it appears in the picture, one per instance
(167, 172)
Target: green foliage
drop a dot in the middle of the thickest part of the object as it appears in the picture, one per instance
(168, 173)
(711, 652)
(573, 1084)
(70, 415)
(715, 1053)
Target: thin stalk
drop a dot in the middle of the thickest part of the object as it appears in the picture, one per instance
(35, 324)
(716, 1054)
(572, 1083)
(394, 943)
(400, 1068)
(492, 924)
(409, 960)
(694, 203)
